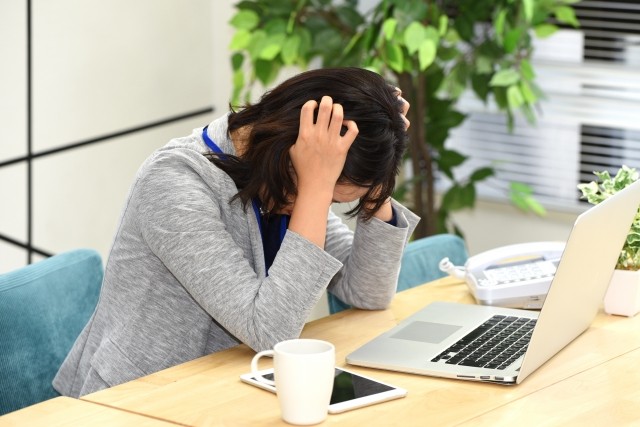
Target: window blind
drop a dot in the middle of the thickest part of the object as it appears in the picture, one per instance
(589, 121)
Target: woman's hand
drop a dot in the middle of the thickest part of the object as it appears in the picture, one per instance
(318, 157)
(320, 151)
(385, 211)
(405, 108)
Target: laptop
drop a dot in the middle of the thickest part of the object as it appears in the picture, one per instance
(453, 340)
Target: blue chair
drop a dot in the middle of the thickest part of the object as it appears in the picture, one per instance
(420, 263)
(43, 308)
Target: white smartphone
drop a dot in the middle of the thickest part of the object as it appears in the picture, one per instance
(350, 390)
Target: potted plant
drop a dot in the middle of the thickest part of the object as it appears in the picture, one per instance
(623, 295)
(435, 50)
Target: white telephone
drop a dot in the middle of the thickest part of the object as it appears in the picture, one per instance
(516, 276)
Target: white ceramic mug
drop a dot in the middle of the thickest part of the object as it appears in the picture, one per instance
(303, 372)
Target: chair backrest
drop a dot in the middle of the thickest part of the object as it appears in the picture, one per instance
(421, 258)
(420, 263)
(43, 308)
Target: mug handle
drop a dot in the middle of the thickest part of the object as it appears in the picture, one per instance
(254, 367)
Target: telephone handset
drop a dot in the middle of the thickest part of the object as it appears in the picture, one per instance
(516, 276)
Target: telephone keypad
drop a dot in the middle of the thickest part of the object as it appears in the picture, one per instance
(518, 273)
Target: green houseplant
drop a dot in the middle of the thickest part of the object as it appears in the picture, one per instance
(434, 50)
(606, 185)
(623, 295)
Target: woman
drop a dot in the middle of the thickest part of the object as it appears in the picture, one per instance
(227, 235)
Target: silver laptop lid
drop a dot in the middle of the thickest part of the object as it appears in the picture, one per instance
(582, 277)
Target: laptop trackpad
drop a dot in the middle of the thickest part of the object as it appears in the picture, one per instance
(429, 332)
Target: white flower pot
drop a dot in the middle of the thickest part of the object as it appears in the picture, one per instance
(623, 296)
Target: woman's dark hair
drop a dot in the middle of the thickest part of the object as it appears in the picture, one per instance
(373, 160)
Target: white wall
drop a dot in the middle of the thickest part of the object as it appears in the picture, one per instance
(493, 224)
(99, 68)
(12, 128)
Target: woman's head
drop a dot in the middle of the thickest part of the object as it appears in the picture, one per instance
(373, 160)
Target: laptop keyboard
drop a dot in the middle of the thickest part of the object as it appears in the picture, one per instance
(495, 344)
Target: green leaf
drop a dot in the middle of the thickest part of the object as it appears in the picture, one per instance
(276, 26)
(500, 96)
(245, 20)
(545, 30)
(506, 77)
(480, 85)
(291, 22)
(267, 71)
(464, 25)
(527, 7)
(329, 42)
(389, 28)
(519, 187)
(498, 25)
(305, 43)
(452, 36)
(566, 15)
(491, 50)
(453, 119)
(521, 195)
(432, 34)
(290, 49)
(238, 79)
(484, 65)
(434, 78)
(375, 64)
(357, 38)
(394, 56)
(426, 54)
(237, 59)
(271, 47)
(527, 70)
(459, 197)
(451, 158)
(536, 207)
(481, 174)
(447, 53)
(408, 10)
(437, 136)
(468, 196)
(349, 16)
(461, 72)
(511, 39)
(255, 44)
(528, 113)
(240, 40)
(443, 25)
(414, 35)
(527, 93)
(514, 97)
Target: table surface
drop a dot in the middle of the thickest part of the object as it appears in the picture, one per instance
(66, 411)
(592, 381)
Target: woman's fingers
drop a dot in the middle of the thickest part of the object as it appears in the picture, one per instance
(405, 108)
(351, 133)
(407, 123)
(306, 115)
(335, 125)
(328, 123)
(325, 110)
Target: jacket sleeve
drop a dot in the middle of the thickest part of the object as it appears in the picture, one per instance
(185, 222)
(371, 257)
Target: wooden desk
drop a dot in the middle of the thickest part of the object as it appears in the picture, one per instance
(65, 411)
(593, 380)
